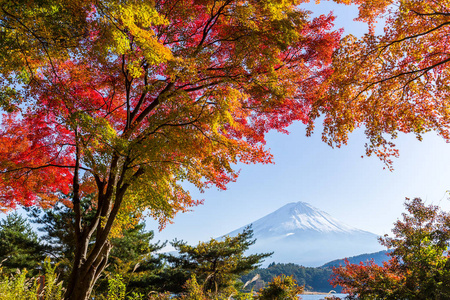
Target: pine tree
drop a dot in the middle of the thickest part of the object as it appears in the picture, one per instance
(20, 247)
(217, 264)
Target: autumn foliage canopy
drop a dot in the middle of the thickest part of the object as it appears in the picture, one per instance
(392, 83)
(155, 93)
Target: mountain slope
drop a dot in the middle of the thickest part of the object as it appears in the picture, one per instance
(302, 234)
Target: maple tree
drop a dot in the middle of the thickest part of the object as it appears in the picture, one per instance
(393, 82)
(419, 263)
(151, 94)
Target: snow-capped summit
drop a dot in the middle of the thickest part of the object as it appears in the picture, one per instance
(300, 233)
(300, 216)
(295, 217)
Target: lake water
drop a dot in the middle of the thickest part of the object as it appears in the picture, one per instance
(320, 297)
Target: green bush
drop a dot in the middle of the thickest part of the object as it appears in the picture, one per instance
(280, 288)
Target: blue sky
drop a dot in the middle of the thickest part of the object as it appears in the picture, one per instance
(355, 190)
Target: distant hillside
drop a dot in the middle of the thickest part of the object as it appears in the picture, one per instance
(314, 279)
(377, 257)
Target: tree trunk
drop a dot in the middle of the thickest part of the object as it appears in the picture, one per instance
(90, 262)
(85, 273)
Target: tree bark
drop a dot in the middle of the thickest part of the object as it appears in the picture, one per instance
(84, 274)
(90, 261)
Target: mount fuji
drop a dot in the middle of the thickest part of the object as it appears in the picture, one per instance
(302, 234)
